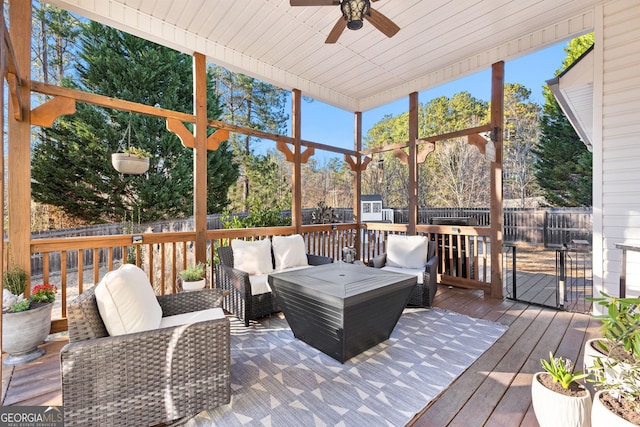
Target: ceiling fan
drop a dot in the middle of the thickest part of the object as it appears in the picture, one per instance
(353, 12)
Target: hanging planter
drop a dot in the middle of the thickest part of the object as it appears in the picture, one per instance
(132, 161)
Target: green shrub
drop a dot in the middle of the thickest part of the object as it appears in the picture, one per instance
(15, 280)
(193, 273)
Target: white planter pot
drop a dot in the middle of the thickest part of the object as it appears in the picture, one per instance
(591, 354)
(23, 332)
(129, 163)
(193, 285)
(555, 409)
(601, 416)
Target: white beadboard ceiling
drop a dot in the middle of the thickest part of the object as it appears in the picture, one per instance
(439, 40)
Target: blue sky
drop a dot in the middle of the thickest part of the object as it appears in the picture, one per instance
(325, 124)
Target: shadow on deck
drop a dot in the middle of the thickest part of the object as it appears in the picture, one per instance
(494, 391)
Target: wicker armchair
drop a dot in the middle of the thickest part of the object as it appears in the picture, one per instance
(423, 293)
(144, 378)
(240, 301)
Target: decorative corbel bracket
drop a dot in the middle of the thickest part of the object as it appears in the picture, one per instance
(422, 154)
(44, 115)
(399, 154)
(289, 155)
(484, 145)
(352, 162)
(189, 141)
(428, 148)
(13, 82)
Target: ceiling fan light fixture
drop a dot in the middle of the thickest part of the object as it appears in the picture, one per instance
(354, 11)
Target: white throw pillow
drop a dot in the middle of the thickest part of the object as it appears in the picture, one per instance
(126, 301)
(289, 251)
(407, 251)
(252, 257)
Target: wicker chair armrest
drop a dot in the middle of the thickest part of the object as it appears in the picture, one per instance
(432, 265)
(232, 279)
(318, 259)
(185, 302)
(123, 377)
(379, 261)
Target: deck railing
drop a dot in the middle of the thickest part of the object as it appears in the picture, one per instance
(462, 251)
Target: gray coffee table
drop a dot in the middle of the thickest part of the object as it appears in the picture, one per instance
(342, 309)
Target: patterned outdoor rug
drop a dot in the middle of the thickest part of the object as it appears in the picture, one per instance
(277, 380)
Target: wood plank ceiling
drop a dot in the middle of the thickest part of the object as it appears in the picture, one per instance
(439, 40)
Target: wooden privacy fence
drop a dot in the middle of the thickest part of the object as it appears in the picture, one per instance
(551, 227)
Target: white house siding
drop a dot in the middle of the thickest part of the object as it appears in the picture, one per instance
(617, 163)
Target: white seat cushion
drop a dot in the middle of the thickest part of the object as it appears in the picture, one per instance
(407, 251)
(419, 272)
(252, 257)
(192, 317)
(126, 301)
(260, 282)
(289, 251)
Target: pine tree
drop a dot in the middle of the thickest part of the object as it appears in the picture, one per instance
(250, 103)
(71, 163)
(564, 166)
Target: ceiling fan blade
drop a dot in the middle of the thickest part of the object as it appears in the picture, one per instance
(336, 31)
(314, 2)
(382, 23)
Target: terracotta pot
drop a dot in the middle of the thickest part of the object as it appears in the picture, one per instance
(601, 416)
(193, 285)
(23, 332)
(129, 163)
(556, 409)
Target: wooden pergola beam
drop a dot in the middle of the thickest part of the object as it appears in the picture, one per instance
(134, 107)
(427, 139)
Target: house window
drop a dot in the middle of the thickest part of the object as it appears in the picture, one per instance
(377, 207)
(366, 208)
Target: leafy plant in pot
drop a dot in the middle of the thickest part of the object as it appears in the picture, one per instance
(620, 341)
(558, 399)
(26, 322)
(617, 401)
(614, 363)
(193, 277)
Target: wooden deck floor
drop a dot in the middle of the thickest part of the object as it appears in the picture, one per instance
(494, 391)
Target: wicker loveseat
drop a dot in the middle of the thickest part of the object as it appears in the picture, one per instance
(425, 290)
(144, 378)
(242, 301)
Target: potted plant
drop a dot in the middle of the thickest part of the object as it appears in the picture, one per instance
(617, 401)
(558, 399)
(26, 322)
(132, 160)
(193, 278)
(620, 339)
(614, 363)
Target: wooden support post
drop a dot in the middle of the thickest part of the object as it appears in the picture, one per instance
(412, 163)
(19, 151)
(296, 176)
(200, 156)
(357, 179)
(496, 210)
(3, 30)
